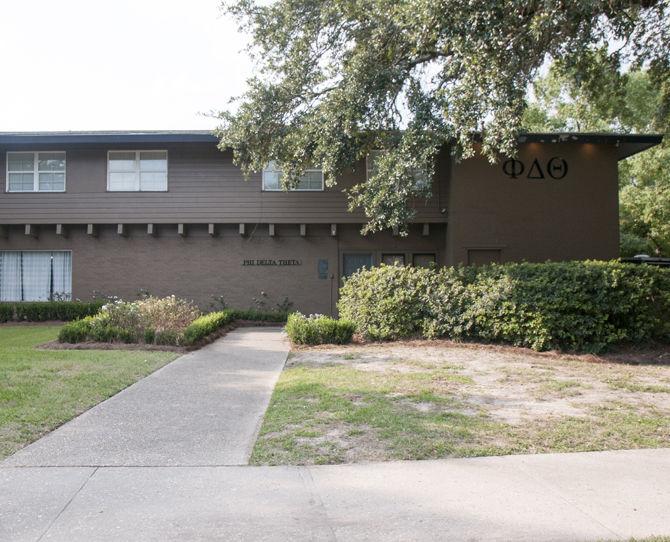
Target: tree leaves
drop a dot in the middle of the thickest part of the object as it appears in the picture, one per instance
(338, 78)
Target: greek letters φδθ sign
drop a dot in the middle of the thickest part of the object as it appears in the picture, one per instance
(554, 168)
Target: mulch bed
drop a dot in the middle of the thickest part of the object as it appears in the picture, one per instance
(55, 345)
(652, 353)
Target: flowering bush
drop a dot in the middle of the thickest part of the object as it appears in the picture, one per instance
(152, 320)
(166, 314)
(121, 314)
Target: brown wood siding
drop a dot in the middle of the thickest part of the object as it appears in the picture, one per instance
(203, 186)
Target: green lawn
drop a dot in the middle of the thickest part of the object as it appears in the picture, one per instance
(388, 402)
(42, 389)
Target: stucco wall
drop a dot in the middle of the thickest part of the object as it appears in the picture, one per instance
(574, 217)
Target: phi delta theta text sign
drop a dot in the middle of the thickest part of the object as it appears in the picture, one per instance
(555, 168)
(278, 263)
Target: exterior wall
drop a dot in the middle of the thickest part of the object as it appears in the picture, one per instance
(492, 216)
(200, 267)
(203, 187)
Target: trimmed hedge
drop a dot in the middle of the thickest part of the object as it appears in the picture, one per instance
(318, 329)
(206, 325)
(75, 332)
(255, 315)
(578, 306)
(41, 311)
(6, 312)
(90, 329)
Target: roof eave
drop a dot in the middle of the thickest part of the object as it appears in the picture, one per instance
(107, 138)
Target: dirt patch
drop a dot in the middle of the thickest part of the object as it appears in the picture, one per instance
(516, 385)
(345, 443)
(650, 353)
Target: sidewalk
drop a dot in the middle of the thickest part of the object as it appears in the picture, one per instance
(584, 496)
(204, 408)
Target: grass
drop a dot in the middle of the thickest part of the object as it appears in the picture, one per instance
(397, 416)
(632, 386)
(345, 411)
(42, 389)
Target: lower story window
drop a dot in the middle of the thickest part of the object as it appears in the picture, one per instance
(392, 259)
(352, 262)
(424, 260)
(32, 275)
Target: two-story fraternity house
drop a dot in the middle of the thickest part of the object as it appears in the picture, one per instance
(117, 213)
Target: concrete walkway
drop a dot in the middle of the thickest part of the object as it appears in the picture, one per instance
(204, 408)
(561, 497)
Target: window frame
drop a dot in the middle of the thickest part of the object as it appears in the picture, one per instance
(296, 189)
(36, 172)
(42, 250)
(138, 171)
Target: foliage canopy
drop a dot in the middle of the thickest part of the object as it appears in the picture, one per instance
(338, 78)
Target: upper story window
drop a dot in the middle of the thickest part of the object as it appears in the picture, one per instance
(421, 179)
(137, 171)
(311, 181)
(36, 171)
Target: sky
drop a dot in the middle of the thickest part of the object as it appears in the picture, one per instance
(121, 65)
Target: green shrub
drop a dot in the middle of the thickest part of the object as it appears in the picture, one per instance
(256, 315)
(318, 329)
(583, 306)
(149, 336)
(6, 312)
(206, 325)
(167, 337)
(42, 311)
(386, 302)
(76, 331)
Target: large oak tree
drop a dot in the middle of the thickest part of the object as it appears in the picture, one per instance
(336, 79)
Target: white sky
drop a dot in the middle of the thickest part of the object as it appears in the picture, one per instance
(142, 64)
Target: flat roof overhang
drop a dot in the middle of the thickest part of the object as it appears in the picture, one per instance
(85, 138)
(627, 144)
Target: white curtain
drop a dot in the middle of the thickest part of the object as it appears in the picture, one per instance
(62, 275)
(10, 275)
(36, 268)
